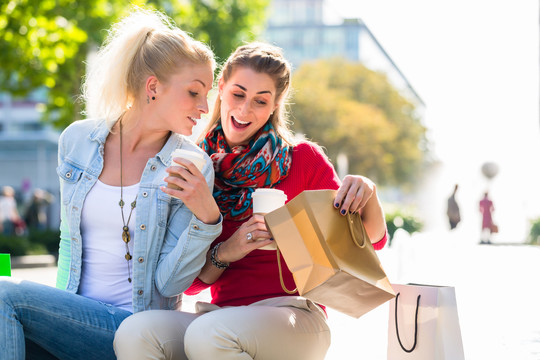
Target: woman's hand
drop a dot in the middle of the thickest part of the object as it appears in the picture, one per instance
(193, 190)
(353, 194)
(242, 243)
(359, 194)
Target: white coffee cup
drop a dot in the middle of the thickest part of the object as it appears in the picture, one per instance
(265, 201)
(196, 158)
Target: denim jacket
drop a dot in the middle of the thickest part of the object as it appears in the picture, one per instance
(170, 243)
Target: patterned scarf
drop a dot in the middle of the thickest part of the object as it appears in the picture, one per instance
(263, 163)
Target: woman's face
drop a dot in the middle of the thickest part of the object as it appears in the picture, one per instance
(183, 99)
(247, 100)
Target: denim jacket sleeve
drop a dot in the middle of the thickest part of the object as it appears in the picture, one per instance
(185, 246)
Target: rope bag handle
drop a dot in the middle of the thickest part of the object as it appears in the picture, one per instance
(415, 324)
(290, 292)
(350, 221)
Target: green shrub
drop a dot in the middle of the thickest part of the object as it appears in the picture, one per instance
(49, 239)
(534, 234)
(401, 220)
(36, 242)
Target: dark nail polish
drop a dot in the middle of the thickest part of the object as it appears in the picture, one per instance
(336, 205)
(343, 212)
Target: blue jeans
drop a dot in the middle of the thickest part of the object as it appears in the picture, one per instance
(54, 322)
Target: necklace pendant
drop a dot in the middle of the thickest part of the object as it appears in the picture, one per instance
(125, 236)
(129, 279)
(121, 203)
(128, 256)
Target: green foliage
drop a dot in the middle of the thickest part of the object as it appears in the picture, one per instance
(223, 24)
(49, 239)
(534, 234)
(402, 220)
(350, 109)
(44, 43)
(35, 243)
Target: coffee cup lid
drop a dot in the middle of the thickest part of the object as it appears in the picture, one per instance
(184, 152)
(269, 191)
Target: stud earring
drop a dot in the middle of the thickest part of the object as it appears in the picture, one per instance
(153, 98)
(147, 99)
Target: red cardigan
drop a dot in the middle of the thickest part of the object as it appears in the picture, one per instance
(255, 277)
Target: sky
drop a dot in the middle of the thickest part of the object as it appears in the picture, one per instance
(475, 63)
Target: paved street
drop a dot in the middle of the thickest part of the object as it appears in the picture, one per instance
(496, 288)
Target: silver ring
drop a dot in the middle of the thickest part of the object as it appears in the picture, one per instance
(249, 236)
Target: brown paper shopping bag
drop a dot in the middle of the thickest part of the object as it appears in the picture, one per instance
(423, 324)
(330, 256)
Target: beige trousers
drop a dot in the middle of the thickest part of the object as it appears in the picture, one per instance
(284, 328)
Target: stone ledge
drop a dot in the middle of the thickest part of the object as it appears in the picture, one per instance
(32, 261)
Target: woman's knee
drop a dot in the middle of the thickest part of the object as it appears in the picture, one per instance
(11, 290)
(155, 334)
(198, 332)
(210, 336)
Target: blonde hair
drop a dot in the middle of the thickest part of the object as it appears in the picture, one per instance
(267, 59)
(142, 44)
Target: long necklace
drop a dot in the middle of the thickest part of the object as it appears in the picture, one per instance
(125, 230)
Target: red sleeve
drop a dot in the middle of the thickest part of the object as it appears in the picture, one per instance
(197, 286)
(381, 243)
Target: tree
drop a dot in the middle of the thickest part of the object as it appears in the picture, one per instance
(350, 109)
(44, 43)
(223, 24)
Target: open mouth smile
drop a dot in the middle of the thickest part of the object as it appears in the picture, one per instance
(239, 124)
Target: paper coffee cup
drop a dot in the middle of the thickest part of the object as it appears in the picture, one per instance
(265, 201)
(5, 265)
(196, 158)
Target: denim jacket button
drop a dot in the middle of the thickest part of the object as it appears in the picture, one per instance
(143, 227)
(68, 175)
(141, 260)
(140, 292)
(153, 168)
(145, 194)
(196, 227)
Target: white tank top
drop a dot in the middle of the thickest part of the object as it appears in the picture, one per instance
(104, 274)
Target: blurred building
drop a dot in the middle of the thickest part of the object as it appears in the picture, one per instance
(299, 28)
(28, 151)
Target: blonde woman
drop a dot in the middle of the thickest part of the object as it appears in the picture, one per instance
(128, 243)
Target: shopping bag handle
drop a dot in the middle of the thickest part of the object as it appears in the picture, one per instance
(290, 292)
(350, 221)
(415, 324)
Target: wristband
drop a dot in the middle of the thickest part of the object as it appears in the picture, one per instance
(213, 256)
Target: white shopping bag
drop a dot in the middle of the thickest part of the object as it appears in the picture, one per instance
(427, 326)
